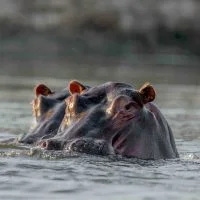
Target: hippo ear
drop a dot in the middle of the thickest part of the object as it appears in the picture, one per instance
(147, 92)
(76, 87)
(42, 89)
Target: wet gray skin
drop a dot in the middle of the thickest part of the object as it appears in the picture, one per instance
(114, 118)
(48, 110)
(46, 126)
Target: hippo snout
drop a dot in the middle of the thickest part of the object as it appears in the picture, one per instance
(27, 140)
(51, 145)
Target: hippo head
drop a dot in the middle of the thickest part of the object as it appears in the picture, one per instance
(48, 111)
(119, 118)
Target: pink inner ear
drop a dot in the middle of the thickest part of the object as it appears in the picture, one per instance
(148, 93)
(151, 93)
(42, 90)
(76, 87)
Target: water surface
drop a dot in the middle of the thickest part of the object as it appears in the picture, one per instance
(32, 174)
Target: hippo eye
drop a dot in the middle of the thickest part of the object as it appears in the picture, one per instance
(127, 107)
(131, 104)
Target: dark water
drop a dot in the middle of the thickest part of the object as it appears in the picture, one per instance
(31, 174)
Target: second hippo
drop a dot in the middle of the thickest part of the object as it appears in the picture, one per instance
(48, 112)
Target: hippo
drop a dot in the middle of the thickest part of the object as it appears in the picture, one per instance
(114, 119)
(48, 112)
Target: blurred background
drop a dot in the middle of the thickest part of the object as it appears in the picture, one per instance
(99, 40)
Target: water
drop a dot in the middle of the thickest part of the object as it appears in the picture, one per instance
(32, 174)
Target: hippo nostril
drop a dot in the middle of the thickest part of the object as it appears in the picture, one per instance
(26, 141)
(131, 105)
(44, 144)
(51, 145)
(127, 107)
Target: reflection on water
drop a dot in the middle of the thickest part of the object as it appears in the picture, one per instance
(31, 173)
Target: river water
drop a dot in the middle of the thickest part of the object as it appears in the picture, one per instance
(27, 173)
